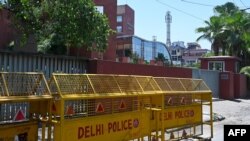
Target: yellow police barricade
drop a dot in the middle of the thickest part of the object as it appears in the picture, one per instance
(119, 107)
(179, 112)
(24, 106)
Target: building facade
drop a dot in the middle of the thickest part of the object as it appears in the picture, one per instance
(131, 48)
(107, 7)
(182, 56)
(176, 50)
(6, 32)
(125, 20)
(191, 56)
(193, 53)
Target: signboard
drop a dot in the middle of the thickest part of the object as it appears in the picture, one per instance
(224, 76)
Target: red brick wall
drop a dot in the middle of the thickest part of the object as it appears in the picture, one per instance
(240, 86)
(204, 64)
(6, 32)
(110, 8)
(226, 85)
(128, 21)
(109, 67)
(230, 65)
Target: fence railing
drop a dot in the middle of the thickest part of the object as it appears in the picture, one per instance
(27, 62)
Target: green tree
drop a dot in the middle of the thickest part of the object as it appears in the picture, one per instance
(61, 23)
(135, 57)
(246, 71)
(213, 33)
(228, 30)
(161, 57)
(236, 23)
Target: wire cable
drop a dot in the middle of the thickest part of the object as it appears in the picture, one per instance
(243, 3)
(180, 10)
(201, 4)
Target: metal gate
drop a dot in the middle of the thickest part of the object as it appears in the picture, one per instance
(24, 106)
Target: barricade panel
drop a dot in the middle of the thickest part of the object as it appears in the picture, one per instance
(14, 112)
(25, 84)
(162, 83)
(128, 84)
(24, 103)
(71, 84)
(100, 107)
(175, 84)
(104, 84)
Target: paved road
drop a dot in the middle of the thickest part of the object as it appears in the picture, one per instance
(235, 112)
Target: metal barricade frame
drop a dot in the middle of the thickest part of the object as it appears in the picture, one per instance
(98, 94)
(25, 100)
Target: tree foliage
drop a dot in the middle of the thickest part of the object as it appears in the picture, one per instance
(228, 30)
(212, 32)
(60, 23)
(246, 71)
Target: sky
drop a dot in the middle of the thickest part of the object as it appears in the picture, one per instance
(187, 15)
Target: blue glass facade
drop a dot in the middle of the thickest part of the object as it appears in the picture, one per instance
(146, 50)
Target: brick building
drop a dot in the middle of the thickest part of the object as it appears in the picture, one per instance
(193, 53)
(6, 32)
(107, 7)
(125, 20)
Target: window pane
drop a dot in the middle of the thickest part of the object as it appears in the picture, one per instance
(119, 29)
(211, 65)
(100, 9)
(173, 52)
(216, 66)
(119, 18)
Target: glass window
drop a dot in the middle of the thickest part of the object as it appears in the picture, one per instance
(148, 49)
(100, 9)
(216, 65)
(137, 46)
(119, 18)
(120, 53)
(119, 29)
(173, 52)
(144, 50)
(162, 49)
(174, 58)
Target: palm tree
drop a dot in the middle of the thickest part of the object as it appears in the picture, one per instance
(226, 9)
(246, 71)
(213, 33)
(237, 27)
(229, 30)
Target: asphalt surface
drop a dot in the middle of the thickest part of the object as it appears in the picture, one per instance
(235, 112)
